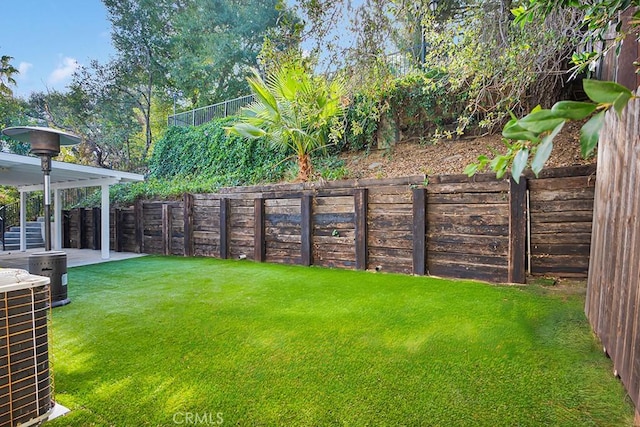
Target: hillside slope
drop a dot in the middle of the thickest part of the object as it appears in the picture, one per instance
(452, 156)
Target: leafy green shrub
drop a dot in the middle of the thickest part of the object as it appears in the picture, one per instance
(423, 103)
(330, 168)
(362, 120)
(207, 153)
(420, 105)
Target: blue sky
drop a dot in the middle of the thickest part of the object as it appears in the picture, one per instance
(49, 38)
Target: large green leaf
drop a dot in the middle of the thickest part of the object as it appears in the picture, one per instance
(590, 133)
(247, 130)
(262, 93)
(519, 163)
(573, 110)
(499, 165)
(516, 132)
(540, 121)
(471, 169)
(604, 92)
(621, 101)
(544, 150)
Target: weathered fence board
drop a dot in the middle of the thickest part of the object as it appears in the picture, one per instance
(390, 225)
(283, 231)
(334, 231)
(468, 240)
(613, 298)
(561, 212)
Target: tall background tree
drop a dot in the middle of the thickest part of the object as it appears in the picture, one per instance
(7, 71)
(141, 34)
(216, 43)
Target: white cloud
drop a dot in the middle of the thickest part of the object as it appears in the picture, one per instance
(23, 70)
(64, 71)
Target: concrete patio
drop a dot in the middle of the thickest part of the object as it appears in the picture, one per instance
(75, 257)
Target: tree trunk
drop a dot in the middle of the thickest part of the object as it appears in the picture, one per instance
(304, 165)
(147, 113)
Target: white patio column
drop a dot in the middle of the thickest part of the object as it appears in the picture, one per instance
(104, 219)
(23, 221)
(57, 219)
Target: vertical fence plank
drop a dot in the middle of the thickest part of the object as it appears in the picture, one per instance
(166, 229)
(138, 210)
(224, 228)
(420, 231)
(97, 235)
(613, 299)
(259, 251)
(360, 203)
(117, 230)
(66, 229)
(82, 228)
(306, 216)
(188, 224)
(517, 230)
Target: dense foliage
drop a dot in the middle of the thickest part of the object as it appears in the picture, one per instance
(415, 107)
(529, 140)
(199, 160)
(207, 152)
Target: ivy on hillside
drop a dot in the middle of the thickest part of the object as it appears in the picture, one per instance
(206, 153)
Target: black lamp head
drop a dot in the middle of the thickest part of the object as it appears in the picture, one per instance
(44, 141)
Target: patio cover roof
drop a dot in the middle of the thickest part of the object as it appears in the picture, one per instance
(24, 173)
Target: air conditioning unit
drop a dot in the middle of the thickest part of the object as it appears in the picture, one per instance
(25, 386)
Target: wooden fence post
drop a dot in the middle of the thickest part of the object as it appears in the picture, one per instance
(66, 229)
(517, 230)
(138, 211)
(306, 217)
(117, 230)
(82, 227)
(420, 231)
(95, 228)
(360, 199)
(166, 229)
(187, 201)
(224, 228)
(259, 250)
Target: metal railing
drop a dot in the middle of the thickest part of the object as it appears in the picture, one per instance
(10, 214)
(206, 114)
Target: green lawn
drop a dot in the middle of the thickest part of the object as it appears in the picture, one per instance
(193, 341)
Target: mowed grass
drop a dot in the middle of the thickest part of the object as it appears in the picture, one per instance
(153, 341)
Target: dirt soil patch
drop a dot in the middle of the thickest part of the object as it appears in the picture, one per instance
(452, 156)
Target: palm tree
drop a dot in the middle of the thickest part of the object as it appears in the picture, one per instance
(293, 110)
(6, 75)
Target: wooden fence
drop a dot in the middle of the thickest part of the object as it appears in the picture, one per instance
(613, 297)
(453, 226)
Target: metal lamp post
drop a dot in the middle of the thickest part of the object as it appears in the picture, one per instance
(45, 143)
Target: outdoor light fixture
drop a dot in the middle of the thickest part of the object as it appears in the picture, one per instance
(45, 143)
